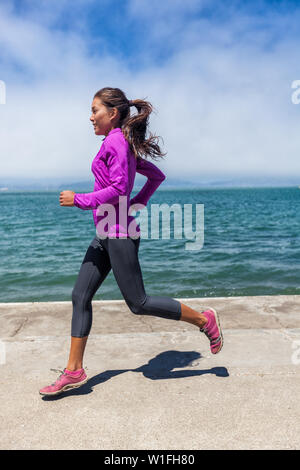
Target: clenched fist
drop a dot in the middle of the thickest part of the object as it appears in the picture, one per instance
(66, 198)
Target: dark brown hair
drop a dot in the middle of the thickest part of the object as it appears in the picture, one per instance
(133, 127)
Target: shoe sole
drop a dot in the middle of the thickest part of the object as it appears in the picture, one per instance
(65, 388)
(219, 326)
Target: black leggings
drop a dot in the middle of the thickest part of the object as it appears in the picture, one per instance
(120, 255)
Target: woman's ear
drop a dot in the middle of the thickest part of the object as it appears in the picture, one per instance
(114, 113)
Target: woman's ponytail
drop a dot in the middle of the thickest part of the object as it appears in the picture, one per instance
(134, 127)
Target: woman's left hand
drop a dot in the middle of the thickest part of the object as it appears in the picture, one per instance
(66, 198)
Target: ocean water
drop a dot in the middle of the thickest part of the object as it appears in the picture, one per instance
(251, 246)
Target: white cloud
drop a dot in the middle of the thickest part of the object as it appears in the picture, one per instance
(223, 97)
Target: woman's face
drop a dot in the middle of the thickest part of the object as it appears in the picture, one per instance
(103, 118)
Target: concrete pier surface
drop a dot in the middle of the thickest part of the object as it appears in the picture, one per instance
(153, 383)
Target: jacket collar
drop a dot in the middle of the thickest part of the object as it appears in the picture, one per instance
(113, 131)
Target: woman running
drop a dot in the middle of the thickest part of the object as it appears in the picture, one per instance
(117, 239)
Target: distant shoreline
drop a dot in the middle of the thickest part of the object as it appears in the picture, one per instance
(167, 188)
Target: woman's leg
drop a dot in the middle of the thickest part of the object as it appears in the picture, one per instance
(76, 353)
(94, 269)
(123, 253)
(192, 316)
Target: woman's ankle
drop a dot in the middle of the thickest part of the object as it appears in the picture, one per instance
(192, 316)
(74, 367)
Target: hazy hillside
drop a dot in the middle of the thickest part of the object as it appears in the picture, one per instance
(11, 184)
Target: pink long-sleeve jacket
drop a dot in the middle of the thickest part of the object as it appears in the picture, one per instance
(114, 168)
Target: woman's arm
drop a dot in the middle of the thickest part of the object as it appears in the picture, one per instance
(118, 175)
(155, 178)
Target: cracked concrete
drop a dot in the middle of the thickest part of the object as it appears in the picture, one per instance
(115, 317)
(19, 328)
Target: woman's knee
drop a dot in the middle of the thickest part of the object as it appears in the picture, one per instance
(137, 307)
(79, 297)
(75, 296)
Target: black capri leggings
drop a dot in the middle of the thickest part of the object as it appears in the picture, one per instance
(120, 255)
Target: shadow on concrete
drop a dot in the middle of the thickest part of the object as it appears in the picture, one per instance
(158, 368)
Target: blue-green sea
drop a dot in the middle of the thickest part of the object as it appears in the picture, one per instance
(251, 246)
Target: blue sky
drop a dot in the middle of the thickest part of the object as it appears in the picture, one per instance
(218, 73)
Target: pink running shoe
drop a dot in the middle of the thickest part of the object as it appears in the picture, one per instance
(66, 381)
(212, 330)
